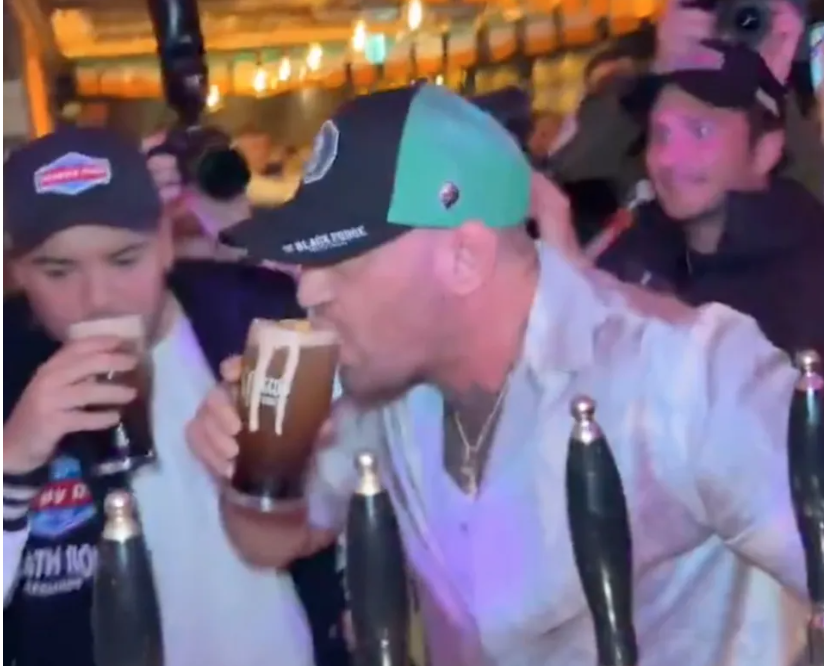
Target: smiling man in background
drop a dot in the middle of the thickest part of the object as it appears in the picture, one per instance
(608, 141)
(723, 226)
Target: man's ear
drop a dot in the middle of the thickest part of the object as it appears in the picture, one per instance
(768, 152)
(465, 257)
(781, 44)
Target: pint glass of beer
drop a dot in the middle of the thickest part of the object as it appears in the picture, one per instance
(130, 444)
(284, 397)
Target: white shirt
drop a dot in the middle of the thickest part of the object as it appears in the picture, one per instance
(694, 405)
(216, 610)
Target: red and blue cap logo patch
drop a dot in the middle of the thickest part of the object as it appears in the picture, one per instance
(72, 174)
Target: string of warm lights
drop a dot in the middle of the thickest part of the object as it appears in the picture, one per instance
(262, 81)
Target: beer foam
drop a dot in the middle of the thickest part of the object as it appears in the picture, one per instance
(268, 336)
(129, 327)
(301, 325)
(267, 329)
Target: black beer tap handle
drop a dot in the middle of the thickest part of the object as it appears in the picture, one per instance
(125, 615)
(180, 47)
(805, 448)
(376, 573)
(601, 538)
(805, 452)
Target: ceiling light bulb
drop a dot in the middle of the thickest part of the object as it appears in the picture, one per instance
(314, 57)
(285, 69)
(259, 82)
(213, 98)
(359, 36)
(414, 14)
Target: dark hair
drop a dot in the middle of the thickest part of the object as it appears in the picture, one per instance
(761, 122)
(638, 46)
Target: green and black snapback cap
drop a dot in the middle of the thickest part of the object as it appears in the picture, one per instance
(387, 163)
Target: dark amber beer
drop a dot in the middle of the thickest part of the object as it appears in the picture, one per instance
(131, 443)
(284, 397)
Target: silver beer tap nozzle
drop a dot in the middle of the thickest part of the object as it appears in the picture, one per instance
(121, 517)
(365, 462)
(369, 484)
(582, 408)
(808, 361)
(586, 429)
(118, 504)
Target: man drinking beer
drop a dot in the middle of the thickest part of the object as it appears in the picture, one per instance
(462, 346)
(92, 254)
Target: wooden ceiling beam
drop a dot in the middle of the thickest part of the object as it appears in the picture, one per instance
(34, 24)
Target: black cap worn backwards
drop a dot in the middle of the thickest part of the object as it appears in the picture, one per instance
(72, 177)
(722, 74)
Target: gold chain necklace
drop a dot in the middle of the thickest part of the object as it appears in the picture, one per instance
(471, 451)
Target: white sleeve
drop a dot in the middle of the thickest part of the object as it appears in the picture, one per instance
(13, 544)
(18, 493)
(739, 449)
(333, 477)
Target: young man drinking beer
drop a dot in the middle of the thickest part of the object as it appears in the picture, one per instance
(88, 242)
(469, 344)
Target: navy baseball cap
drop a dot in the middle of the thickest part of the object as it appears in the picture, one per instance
(73, 177)
(722, 74)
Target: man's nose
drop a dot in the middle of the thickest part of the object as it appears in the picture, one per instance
(314, 287)
(97, 294)
(664, 156)
(676, 148)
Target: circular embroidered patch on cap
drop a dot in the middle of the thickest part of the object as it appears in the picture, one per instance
(324, 152)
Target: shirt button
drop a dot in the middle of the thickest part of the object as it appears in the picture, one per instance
(464, 527)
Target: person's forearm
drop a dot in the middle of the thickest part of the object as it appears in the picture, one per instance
(19, 490)
(739, 454)
(274, 540)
